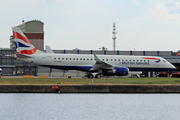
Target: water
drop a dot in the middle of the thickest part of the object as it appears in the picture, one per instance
(89, 106)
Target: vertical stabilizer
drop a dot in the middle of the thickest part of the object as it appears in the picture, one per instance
(23, 45)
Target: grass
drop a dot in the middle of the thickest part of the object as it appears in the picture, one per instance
(66, 81)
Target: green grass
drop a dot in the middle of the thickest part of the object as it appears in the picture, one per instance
(114, 81)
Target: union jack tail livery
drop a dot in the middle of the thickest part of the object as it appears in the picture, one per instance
(23, 45)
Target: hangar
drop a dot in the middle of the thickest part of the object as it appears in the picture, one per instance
(34, 30)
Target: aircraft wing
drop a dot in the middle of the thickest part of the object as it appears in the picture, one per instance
(99, 65)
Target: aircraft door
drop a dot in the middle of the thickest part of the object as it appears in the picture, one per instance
(49, 59)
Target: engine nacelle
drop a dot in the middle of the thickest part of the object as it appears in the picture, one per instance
(120, 71)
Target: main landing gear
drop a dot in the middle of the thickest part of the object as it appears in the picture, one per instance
(94, 75)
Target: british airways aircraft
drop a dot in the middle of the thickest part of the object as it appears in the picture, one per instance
(94, 65)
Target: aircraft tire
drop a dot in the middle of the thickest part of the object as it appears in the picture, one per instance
(98, 76)
(90, 76)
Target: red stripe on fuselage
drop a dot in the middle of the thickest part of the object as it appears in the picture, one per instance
(28, 52)
(151, 58)
(19, 36)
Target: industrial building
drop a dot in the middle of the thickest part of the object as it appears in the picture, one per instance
(34, 30)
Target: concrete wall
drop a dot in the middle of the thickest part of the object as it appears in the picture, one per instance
(90, 89)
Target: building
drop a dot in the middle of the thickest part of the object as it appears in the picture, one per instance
(34, 31)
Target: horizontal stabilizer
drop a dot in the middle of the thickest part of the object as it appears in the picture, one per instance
(22, 56)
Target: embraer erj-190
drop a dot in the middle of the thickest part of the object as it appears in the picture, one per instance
(94, 65)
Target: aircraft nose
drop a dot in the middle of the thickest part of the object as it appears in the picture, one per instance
(173, 67)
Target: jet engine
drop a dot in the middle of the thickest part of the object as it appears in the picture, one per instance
(120, 71)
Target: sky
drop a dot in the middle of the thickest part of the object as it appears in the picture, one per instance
(141, 25)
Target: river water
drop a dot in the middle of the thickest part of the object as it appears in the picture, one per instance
(89, 106)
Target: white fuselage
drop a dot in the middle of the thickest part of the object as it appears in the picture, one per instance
(85, 62)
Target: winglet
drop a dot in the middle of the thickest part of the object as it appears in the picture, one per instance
(100, 64)
(96, 58)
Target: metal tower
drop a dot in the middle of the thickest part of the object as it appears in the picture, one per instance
(114, 36)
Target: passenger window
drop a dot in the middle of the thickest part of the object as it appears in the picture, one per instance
(55, 58)
(59, 58)
(111, 59)
(106, 59)
(115, 60)
(66, 58)
(77, 59)
(69, 58)
(119, 60)
(62, 58)
(87, 59)
(74, 59)
(91, 59)
(80, 58)
(122, 60)
(84, 59)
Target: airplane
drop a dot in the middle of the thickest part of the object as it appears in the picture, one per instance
(95, 65)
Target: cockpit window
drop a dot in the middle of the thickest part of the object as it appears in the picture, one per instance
(164, 60)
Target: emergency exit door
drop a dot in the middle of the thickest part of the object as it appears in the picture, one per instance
(49, 59)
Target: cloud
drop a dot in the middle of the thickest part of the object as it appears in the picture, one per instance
(134, 2)
(47, 1)
(177, 4)
(160, 10)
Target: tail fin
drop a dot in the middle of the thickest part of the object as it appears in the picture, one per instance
(23, 45)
